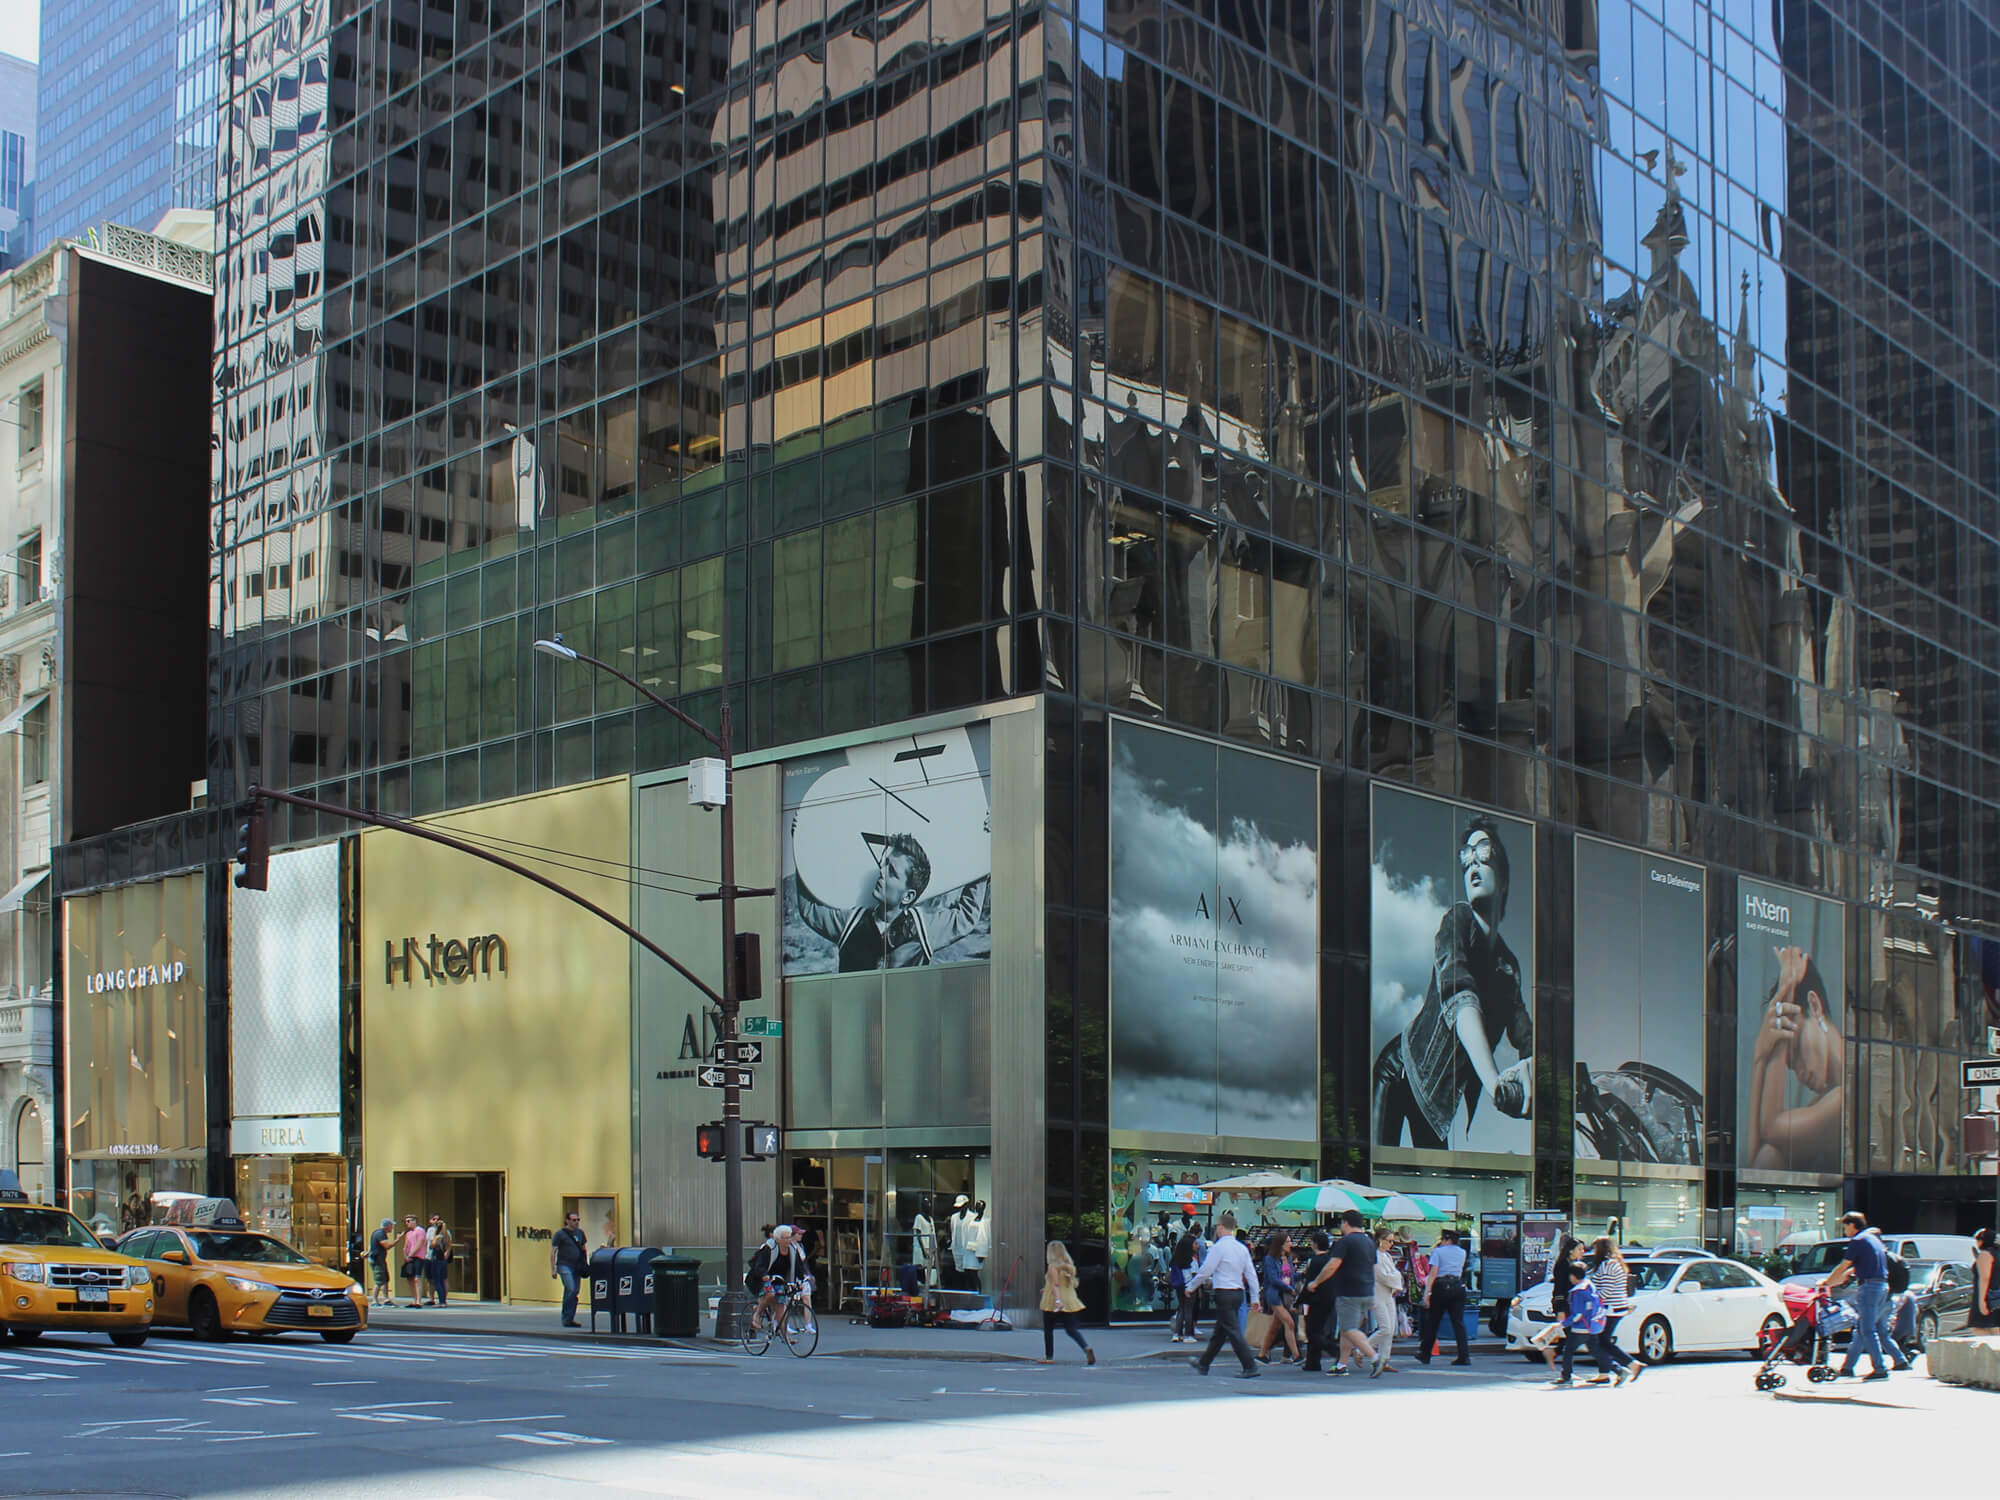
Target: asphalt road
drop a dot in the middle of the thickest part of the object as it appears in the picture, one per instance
(451, 1417)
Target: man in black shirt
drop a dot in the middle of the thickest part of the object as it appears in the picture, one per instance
(1350, 1275)
(1318, 1300)
(569, 1261)
(378, 1264)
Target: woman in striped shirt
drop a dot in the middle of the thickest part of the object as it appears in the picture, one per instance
(1608, 1273)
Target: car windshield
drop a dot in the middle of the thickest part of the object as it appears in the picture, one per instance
(259, 1249)
(44, 1226)
(1820, 1259)
(1652, 1275)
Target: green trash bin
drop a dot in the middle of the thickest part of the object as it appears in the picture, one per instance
(676, 1297)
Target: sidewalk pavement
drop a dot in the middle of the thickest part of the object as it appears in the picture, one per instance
(838, 1335)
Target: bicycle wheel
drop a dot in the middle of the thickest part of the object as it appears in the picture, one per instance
(756, 1336)
(801, 1329)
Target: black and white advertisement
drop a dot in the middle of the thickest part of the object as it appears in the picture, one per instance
(888, 855)
(1214, 939)
(1452, 960)
(1641, 981)
(1791, 987)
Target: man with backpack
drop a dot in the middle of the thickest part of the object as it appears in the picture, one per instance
(1866, 1259)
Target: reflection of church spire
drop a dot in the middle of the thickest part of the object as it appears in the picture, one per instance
(1288, 435)
(1669, 234)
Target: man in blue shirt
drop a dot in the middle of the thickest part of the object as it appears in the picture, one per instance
(1867, 1262)
(1444, 1299)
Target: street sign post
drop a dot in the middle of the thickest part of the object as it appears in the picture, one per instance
(738, 1052)
(1979, 1074)
(725, 1078)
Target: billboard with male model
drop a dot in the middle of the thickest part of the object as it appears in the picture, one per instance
(888, 855)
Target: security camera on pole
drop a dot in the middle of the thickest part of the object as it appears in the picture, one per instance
(710, 784)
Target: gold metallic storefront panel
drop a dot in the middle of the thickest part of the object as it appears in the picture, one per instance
(133, 991)
(496, 1017)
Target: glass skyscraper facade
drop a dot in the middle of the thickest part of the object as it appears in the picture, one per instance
(126, 117)
(1571, 414)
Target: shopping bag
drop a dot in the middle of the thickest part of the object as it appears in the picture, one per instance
(1260, 1323)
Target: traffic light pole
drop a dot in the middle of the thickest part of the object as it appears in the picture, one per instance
(260, 795)
(733, 1309)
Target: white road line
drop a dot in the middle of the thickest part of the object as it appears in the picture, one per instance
(34, 1375)
(387, 1405)
(262, 1437)
(217, 1390)
(533, 1416)
(318, 1383)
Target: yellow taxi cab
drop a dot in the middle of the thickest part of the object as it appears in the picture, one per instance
(215, 1276)
(57, 1277)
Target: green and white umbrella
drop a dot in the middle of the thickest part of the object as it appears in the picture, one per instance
(1327, 1199)
(1403, 1207)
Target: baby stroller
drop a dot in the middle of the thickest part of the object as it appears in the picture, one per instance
(1816, 1318)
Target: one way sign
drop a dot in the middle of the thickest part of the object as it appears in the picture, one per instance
(1978, 1075)
(722, 1078)
(739, 1052)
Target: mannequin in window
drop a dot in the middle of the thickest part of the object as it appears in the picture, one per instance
(923, 1239)
(965, 1257)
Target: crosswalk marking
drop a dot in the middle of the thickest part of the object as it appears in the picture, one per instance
(386, 1356)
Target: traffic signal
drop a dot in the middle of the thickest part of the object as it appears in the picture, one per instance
(760, 1140)
(709, 1141)
(253, 851)
(749, 967)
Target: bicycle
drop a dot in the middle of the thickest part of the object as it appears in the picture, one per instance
(794, 1322)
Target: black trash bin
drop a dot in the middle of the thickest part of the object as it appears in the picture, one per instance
(676, 1297)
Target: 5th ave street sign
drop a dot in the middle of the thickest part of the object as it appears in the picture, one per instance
(761, 1026)
(722, 1078)
(1979, 1074)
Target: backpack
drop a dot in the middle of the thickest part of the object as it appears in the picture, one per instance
(1899, 1274)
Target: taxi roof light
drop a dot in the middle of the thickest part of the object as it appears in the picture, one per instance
(194, 1212)
(10, 1188)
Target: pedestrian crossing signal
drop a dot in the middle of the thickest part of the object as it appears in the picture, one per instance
(710, 1143)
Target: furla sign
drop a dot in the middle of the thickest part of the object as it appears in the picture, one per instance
(443, 960)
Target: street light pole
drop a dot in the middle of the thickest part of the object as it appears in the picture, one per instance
(733, 1309)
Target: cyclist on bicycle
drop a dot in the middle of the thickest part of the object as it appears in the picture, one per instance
(777, 1263)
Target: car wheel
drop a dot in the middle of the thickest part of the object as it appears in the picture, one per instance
(1656, 1341)
(1498, 1321)
(1927, 1329)
(24, 1335)
(129, 1338)
(205, 1318)
(338, 1335)
(1770, 1336)
(1531, 1357)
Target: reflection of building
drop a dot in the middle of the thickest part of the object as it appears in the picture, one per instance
(1418, 404)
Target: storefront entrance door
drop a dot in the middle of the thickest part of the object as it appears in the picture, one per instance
(471, 1205)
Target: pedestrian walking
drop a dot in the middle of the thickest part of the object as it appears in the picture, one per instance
(1612, 1279)
(1274, 1275)
(1444, 1298)
(1060, 1305)
(1583, 1327)
(1227, 1272)
(416, 1260)
(1350, 1273)
(1186, 1256)
(1866, 1261)
(1388, 1282)
(1985, 1311)
(437, 1251)
(378, 1264)
(1316, 1296)
(569, 1263)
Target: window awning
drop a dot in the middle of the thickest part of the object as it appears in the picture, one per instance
(26, 706)
(23, 888)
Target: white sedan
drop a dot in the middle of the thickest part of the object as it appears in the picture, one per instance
(1682, 1306)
